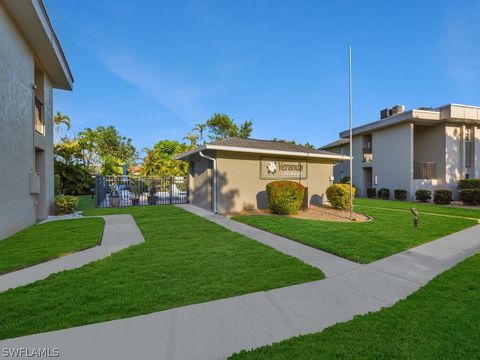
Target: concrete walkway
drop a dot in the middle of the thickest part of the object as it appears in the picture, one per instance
(216, 329)
(120, 232)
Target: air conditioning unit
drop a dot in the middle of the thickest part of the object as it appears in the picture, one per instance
(385, 113)
(34, 182)
(398, 109)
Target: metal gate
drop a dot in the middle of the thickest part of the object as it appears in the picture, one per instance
(121, 191)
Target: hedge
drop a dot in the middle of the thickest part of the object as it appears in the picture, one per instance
(371, 193)
(339, 195)
(65, 204)
(442, 197)
(423, 195)
(470, 196)
(383, 194)
(400, 194)
(469, 184)
(285, 197)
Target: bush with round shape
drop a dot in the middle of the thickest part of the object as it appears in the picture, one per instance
(469, 184)
(383, 194)
(285, 197)
(65, 204)
(470, 196)
(371, 193)
(423, 195)
(400, 194)
(339, 195)
(442, 197)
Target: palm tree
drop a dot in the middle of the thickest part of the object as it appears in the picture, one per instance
(200, 128)
(60, 119)
(192, 138)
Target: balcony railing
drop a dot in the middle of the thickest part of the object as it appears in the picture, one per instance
(424, 170)
(39, 122)
(367, 155)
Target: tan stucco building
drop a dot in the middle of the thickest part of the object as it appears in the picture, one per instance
(231, 175)
(426, 148)
(31, 65)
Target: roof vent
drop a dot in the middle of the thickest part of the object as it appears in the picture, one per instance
(397, 109)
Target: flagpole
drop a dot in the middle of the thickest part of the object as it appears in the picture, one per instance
(350, 119)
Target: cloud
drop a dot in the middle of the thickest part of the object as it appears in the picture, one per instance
(181, 99)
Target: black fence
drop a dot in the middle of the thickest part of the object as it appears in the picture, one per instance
(120, 191)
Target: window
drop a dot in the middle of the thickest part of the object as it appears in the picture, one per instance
(469, 136)
(39, 122)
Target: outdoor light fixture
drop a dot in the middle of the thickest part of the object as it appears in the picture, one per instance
(375, 180)
(415, 217)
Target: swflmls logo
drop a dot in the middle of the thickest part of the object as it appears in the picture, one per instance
(272, 167)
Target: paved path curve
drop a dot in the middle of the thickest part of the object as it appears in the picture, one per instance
(216, 329)
(120, 232)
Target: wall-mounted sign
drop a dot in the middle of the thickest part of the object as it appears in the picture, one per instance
(282, 169)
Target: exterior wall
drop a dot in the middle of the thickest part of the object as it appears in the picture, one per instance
(358, 166)
(240, 186)
(342, 168)
(18, 142)
(476, 171)
(201, 182)
(393, 157)
(16, 137)
(453, 157)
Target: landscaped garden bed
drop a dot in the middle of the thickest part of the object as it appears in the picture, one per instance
(47, 241)
(439, 321)
(185, 260)
(390, 232)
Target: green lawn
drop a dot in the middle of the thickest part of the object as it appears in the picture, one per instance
(440, 321)
(390, 232)
(185, 259)
(85, 202)
(47, 241)
(421, 207)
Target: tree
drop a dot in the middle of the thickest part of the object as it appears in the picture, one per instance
(221, 126)
(200, 128)
(60, 119)
(159, 160)
(192, 138)
(106, 150)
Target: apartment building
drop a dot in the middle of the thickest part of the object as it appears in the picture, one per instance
(32, 63)
(426, 148)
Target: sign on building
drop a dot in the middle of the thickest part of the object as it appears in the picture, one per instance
(282, 169)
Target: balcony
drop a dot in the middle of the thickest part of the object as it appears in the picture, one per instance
(39, 121)
(424, 170)
(367, 155)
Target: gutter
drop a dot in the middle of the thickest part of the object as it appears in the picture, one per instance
(214, 161)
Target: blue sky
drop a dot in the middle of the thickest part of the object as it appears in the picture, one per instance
(155, 68)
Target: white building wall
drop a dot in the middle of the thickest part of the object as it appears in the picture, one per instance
(17, 141)
(393, 158)
(454, 162)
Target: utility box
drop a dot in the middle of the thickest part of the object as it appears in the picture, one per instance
(34, 182)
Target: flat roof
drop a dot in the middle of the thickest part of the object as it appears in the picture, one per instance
(258, 146)
(31, 18)
(446, 113)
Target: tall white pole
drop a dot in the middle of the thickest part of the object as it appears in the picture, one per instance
(350, 119)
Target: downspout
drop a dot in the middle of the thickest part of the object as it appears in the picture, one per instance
(214, 161)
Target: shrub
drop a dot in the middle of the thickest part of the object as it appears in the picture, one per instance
(400, 194)
(285, 197)
(383, 194)
(469, 184)
(345, 180)
(470, 196)
(423, 195)
(65, 204)
(371, 193)
(339, 195)
(442, 197)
